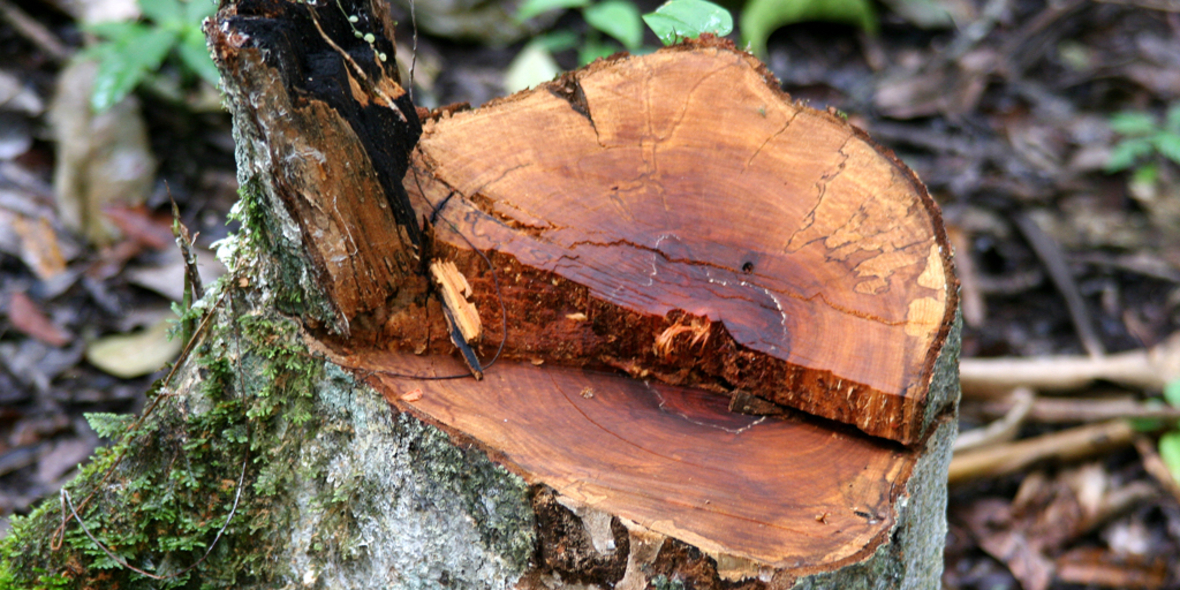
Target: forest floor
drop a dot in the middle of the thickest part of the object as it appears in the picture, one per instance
(1015, 119)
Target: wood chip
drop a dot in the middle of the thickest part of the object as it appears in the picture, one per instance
(455, 290)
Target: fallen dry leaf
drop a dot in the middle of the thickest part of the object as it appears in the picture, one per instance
(39, 247)
(134, 355)
(167, 277)
(27, 317)
(139, 224)
(1091, 566)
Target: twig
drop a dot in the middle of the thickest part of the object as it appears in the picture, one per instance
(184, 241)
(414, 50)
(1067, 445)
(1139, 263)
(60, 534)
(1144, 368)
(973, 304)
(1002, 430)
(1156, 468)
(1081, 410)
(1161, 5)
(1053, 258)
(356, 68)
(30, 29)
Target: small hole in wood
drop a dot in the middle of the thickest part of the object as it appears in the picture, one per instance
(748, 267)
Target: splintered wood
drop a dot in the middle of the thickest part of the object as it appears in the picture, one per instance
(454, 290)
(713, 232)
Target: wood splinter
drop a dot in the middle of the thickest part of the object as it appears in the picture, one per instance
(462, 317)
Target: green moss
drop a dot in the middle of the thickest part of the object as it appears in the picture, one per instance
(334, 483)
(269, 234)
(162, 504)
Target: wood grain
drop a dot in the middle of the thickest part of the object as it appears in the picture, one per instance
(331, 135)
(683, 188)
(795, 493)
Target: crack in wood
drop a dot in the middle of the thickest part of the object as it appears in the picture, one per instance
(771, 138)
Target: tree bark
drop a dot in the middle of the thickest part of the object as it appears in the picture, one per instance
(652, 324)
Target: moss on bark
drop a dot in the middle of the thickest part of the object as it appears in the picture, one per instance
(337, 491)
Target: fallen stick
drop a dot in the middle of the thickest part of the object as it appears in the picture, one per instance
(1002, 430)
(1150, 368)
(1080, 410)
(1156, 468)
(1067, 445)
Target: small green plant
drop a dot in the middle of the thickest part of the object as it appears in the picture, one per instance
(688, 19)
(132, 52)
(1170, 441)
(617, 19)
(1143, 139)
(107, 425)
(1169, 444)
(620, 22)
(760, 18)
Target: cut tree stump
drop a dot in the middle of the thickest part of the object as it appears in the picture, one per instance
(678, 217)
(675, 217)
(652, 324)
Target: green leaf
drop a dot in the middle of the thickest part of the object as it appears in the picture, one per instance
(1146, 174)
(112, 29)
(1169, 145)
(1172, 393)
(532, 8)
(116, 78)
(196, 11)
(761, 17)
(163, 12)
(195, 55)
(619, 19)
(687, 19)
(1149, 424)
(128, 62)
(590, 51)
(1126, 154)
(532, 66)
(1170, 452)
(107, 425)
(555, 41)
(1133, 124)
(1172, 120)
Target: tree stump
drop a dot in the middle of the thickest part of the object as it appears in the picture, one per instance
(652, 324)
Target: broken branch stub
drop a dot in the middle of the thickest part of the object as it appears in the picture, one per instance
(326, 142)
(678, 217)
